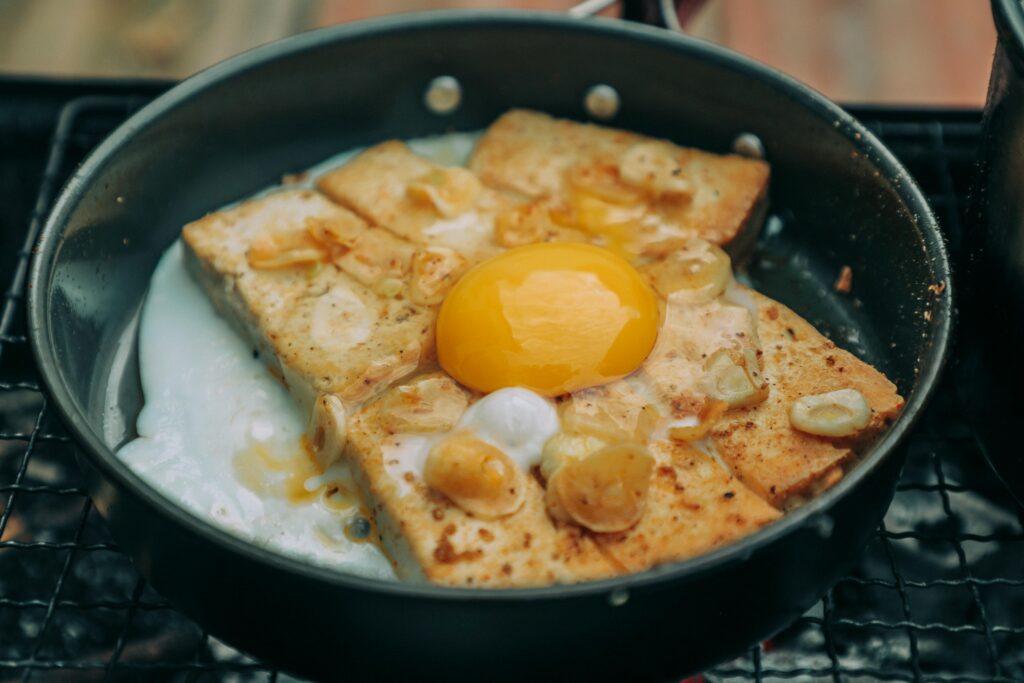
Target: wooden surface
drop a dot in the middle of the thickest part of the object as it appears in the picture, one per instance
(934, 52)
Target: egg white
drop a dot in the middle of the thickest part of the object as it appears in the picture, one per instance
(208, 400)
(516, 421)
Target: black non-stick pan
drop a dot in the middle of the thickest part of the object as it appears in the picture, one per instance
(838, 199)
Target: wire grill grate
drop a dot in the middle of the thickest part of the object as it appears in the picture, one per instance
(937, 596)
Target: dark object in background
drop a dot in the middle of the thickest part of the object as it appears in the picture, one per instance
(841, 198)
(991, 357)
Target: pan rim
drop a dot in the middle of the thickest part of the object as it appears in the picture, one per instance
(105, 460)
(1009, 20)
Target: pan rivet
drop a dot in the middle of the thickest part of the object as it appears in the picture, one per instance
(443, 95)
(618, 597)
(602, 102)
(748, 145)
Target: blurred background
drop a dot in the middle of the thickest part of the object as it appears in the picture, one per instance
(924, 52)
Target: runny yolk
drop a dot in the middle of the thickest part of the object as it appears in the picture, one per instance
(552, 318)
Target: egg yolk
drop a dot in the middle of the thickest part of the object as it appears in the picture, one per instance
(552, 318)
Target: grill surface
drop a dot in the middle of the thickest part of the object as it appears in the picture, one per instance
(937, 596)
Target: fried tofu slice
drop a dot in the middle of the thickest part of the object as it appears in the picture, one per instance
(531, 152)
(622, 410)
(693, 503)
(375, 257)
(690, 333)
(648, 195)
(783, 465)
(427, 536)
(693, 506)
(779, 463)
(319, 328)
(422, 202)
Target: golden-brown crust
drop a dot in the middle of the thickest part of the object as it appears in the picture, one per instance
(375, 185)
(690, 333)
(432, 538)
(764, 451)
(758, 443)
(327, 332)
(693, 506)
(531, 153)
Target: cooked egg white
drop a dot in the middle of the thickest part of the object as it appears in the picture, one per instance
(219, 436)
(516, 421)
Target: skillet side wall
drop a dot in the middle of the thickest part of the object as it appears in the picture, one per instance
(228, 138)
(664, 630)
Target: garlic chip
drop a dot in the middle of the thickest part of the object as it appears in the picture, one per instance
(836, 413)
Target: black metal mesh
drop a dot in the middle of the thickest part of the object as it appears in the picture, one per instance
(937, 596)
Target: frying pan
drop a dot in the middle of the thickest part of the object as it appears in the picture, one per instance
(839, 198)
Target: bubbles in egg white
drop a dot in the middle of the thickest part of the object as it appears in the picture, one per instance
(208, 399)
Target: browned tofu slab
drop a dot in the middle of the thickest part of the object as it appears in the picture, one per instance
(758, 443)
(321, 329)
(720, 197)
(429, 538)
(780, 463)
(693, 506)
(689, 334)
(385, 185)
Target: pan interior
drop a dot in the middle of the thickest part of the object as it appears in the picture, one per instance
(216, 140)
